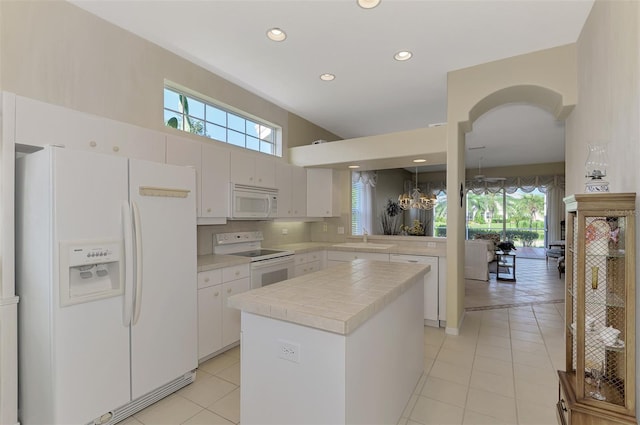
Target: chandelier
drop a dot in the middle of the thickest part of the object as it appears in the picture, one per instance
(417, 199)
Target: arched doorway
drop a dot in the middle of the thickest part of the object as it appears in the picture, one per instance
(546, 79)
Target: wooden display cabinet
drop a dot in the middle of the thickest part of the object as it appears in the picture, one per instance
(598, 386)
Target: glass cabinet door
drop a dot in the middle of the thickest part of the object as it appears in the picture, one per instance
(600, 302)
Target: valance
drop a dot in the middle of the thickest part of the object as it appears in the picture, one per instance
(366, 177)
(512, 184)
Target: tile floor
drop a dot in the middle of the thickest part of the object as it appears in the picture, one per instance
(501, 369)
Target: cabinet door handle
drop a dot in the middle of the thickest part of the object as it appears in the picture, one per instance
(228, 290)
(412, 261)
(216, 293)
(116, 148)
(93, 143)
(206, 279)
(237, 272)
(208, 210)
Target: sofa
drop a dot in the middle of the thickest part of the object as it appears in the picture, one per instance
(478, 255)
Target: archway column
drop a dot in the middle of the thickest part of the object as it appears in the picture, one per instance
(548, 79)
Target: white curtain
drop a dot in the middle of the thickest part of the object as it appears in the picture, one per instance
(368, 180)
(555, 212)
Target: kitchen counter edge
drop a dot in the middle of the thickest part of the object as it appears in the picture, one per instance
(326, 299)
(217, 261)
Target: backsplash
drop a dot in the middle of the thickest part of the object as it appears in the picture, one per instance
(272, 232)
(319, 231)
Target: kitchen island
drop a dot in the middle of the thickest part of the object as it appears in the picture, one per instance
(339, 346)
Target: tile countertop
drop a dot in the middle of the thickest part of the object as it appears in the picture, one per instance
(301, 248)
(215, 261)
(338, 299)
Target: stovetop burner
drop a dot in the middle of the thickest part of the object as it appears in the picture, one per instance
(248, 245)
(259, 253)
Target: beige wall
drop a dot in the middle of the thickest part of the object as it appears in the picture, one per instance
(609, 106)
(547, 79)
(56, 52)
(302, 132)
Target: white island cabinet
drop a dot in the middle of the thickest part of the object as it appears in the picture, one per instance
(339, 346)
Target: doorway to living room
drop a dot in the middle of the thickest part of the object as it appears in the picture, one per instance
(524, 210)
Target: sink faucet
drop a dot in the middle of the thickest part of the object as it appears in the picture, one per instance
(364, 235)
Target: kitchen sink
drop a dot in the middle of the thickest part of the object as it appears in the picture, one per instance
(368, 245)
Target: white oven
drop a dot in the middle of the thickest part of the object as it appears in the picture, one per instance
(274, 270)
(268, 266)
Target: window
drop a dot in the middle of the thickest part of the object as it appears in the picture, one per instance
(362, 184)
(191, 114)
(356, 207)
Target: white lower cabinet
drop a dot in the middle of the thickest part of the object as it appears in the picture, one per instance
(219, 325)
(431, 289)
(209, 320)
(231, 316)
(308, 262)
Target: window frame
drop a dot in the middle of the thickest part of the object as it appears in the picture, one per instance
(270, 144)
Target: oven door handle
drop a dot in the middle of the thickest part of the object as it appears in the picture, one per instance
(273, 262)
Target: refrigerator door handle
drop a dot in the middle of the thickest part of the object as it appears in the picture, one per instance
(127, 227)
(138, 262)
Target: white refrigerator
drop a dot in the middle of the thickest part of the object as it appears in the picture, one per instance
(106, 275)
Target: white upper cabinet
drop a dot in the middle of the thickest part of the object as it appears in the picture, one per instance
(252, 170)
(299, 191)
(212, 169)
(186, 152)
(291, 182)
(215, 181)
(39, 124)
(323, 192)
(285, 189)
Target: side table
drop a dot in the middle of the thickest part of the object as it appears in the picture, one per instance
(506, 268)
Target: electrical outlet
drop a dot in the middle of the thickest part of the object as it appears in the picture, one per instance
(324, 227)
(285, 231)
(289, 350)
(341, 230)
(431, 244)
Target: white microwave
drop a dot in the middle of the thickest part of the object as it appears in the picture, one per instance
(251, 202)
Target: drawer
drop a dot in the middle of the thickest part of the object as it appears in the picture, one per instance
(301, 259)
(302, 269)
(235, 272)
(314, 256)
(307, 257)
(209, 278)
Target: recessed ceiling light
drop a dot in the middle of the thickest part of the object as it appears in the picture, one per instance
(354, 166)
(368, 4)
(403, 55)
(276, 34)
(327, 77)
(419, 160)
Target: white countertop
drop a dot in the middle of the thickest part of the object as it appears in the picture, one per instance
(302, 247)
(217, 261)
(338, 299)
